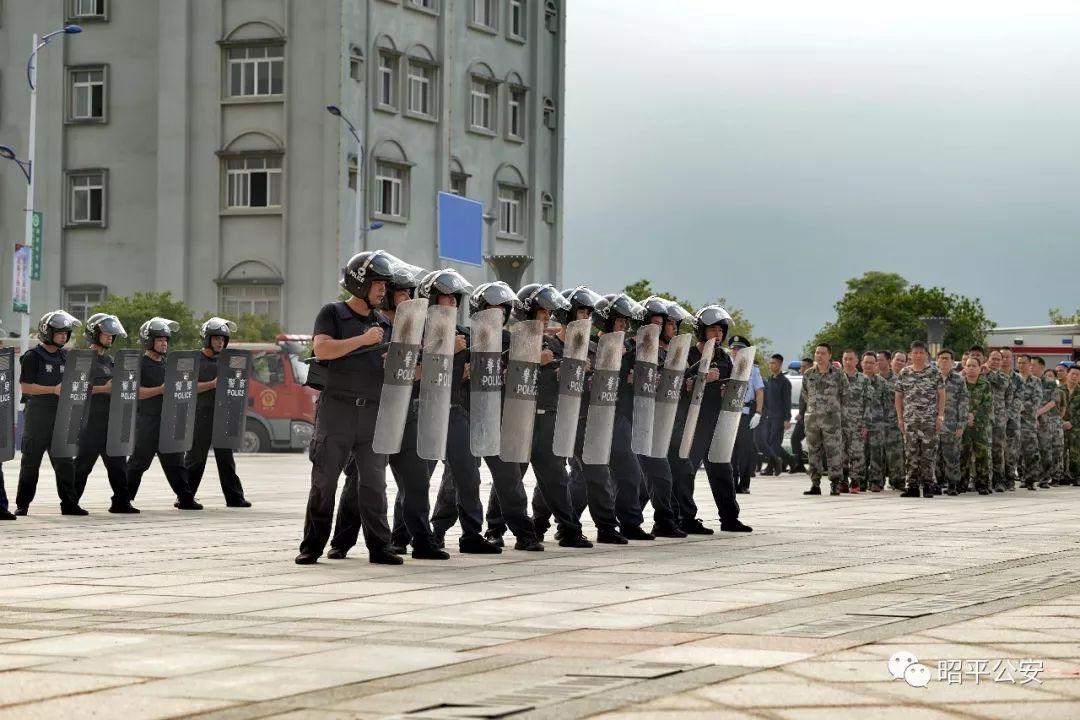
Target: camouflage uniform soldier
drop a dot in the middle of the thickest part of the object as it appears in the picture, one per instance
(920, 402)
(823, 387)
(854, 423)
(1030, 395)
(956, 417)
(1000, 387)
(875, 414)
(891, 438)
(1071, 424)
(1051, 441)
(1012, 425)
(975, 466)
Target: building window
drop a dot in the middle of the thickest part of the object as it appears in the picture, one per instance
(516, 119)
(549, 113)
(391, 190)
(256, 71)
(425, 4)
(483, 13)
(87, 94)
(253, 182)
(352, 172)
(459, 184)
(511, 210)
(387, 97)
(547, 208)
(421, 89)
(551, 16)
(356, 64)
(482, 93)
(254, 299)
(88, 10)
(517, 19)
(80, 301)
(86, 198)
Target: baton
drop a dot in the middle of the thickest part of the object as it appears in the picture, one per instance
(361, 351)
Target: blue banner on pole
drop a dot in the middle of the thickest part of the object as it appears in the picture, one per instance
(461, 229)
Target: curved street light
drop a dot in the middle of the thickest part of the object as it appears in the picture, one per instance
(361, 226)
(8, 153)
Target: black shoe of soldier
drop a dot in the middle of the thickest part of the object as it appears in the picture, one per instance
(398, 549)
(876, 487)
(842, 487)
(912, 491)
(123, 509)
(1029, 486)
(1044, 484)
(72, 510)
(495, 539)
(477, 546)
(189, 505)
(429, 552)
(577, 542)
(694, 526)
(529, 546)
(6, 514)
(667, 530)
(383, 556)
(307, 559)
(610, 537)
(928, 491)
(440, 540)
(983, 491)
(634, 532)
(950, 491)
(834, 490)
(241, 503)
(336, 554)
(814, 490)
(21, 511)
(735, 526)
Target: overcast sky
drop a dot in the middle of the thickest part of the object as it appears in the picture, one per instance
(769, 151)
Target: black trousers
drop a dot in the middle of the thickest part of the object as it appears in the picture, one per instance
(721, 477)
(774, 437)
(3, 492)
(591, 486)
(147, 430)
(344, 430)
(658, 481)
(797, 437)
(92, 443)
(413, 477)
(445, 513)
(36, 439)
(744, 456)
(683, 506)
(626, 475)
(195, 460)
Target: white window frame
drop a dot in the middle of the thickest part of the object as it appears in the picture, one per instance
(254, 69)
(387, 74)
(425, 82)
(512, 201)
(396, 195)
(88, 183)
(79, 300)
(85, 86)
(430, 6)
(516, 11)
(550, 114)
(547, 208)
(239, 171)
(459, 184)
(356, 64)
(551, 16)
(239, 305)
(76, 10)
(515, 121)
(482, 96)
(485, 15)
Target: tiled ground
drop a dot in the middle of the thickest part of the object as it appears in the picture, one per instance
(172, 614)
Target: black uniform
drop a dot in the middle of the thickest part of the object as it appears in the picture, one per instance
(721, 479)
(195, 459)
(95, 434)
(147, 434)
(344, 428)
(658, 481)
(626, 475)
(41, 367)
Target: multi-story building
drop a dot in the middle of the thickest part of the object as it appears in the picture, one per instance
(185, 145)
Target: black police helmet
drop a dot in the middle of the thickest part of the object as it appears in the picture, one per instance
(54, 322)
(580, 298)
(612, 307)
(535, 296)
(154, 328)
(102, 323)
(711, 315)
(444, 282)
(216, 327)
(365, 267)
(492, 294)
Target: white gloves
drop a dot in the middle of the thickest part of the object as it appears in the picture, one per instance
(755, 420)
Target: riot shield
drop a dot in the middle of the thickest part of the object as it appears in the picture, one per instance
(7, 403)
(74, 404)
(485, 382)
(399, 373)
(436, 376)
(572, 371)
(178, 407)
(603, 394)
(519, 401)
(647, 344)
(668, 391)
(230, 399)
(698, 393)
(123, 402)
(727, 425)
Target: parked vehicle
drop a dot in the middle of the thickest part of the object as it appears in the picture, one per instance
(281, 409)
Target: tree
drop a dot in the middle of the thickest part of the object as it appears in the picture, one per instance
(251, 327)
(881, 311)
(134, 310)
(1059, 318)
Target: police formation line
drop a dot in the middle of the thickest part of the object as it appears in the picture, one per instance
(82, 405)
(983, 424)
(607, 421)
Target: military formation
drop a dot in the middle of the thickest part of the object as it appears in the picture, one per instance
(988, 423)
(86, 405)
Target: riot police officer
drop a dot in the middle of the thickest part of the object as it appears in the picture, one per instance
(154, 335)
(347, 337)
(215, 334)
(101, 330)
(39, 381)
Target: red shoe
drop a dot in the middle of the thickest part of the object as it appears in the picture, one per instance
(876, 487)
(856, 488)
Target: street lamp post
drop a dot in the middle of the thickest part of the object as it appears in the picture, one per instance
(360, 242)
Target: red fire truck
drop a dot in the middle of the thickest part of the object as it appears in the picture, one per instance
(281, 409)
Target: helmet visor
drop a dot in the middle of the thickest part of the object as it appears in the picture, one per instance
(162, 326)
(61, 320)
(713, 315)
(450, 282)
(497, 293)
(656, 306)
(219, 326)
(582, 296)
(549, 298)
(111, 324)
(677, 313)
(624, 306)
(406, 276)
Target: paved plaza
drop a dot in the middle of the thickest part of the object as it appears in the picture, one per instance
(182, 614)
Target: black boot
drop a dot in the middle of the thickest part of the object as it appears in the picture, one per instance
(912, 491)
(735, 526)
(693, 526)
(667, 530)
(634, 532)
(383, 556)
(426, 551)
(576, 541)
(610, 537)
(476, 545)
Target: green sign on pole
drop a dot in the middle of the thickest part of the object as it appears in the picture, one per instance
(35, 247)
